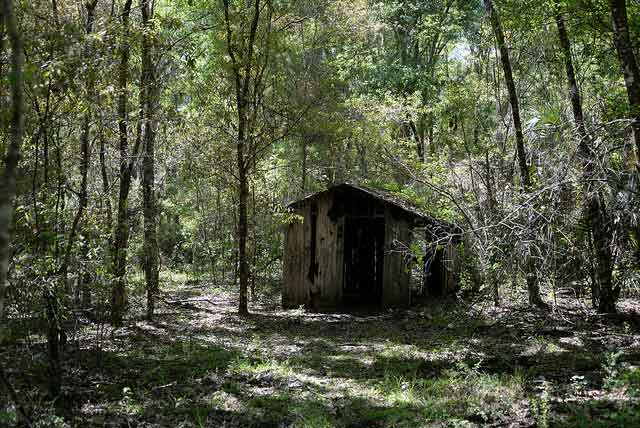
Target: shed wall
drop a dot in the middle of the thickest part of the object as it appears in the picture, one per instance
(326, 285)
(313, 268)
(294, 292)
(313, 271)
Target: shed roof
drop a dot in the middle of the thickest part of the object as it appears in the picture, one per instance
(382, 195)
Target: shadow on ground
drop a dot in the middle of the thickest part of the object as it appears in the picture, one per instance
(445, 364)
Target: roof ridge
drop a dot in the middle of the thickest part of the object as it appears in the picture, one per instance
(382, 194)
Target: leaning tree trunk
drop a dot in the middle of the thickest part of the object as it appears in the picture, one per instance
(8, 183)
(631, 72)
(533, 287)
(121, 238)
(594, 204)
(150, 91)
(624, 47)
(105, 180)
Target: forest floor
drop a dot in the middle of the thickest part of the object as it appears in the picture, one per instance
(442, 365)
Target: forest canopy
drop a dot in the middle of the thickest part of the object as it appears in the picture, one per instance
(150, 139)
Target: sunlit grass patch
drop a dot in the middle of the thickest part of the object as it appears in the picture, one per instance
(399, 359)
(540, 344)
(242, 366)
(463, 392)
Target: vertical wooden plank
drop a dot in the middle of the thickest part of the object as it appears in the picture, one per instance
(324, 261)
(404, 271)
(301, 286)
(305, 289)
(326, 281)
(339, 260)
(287, 267)
(293, 285)
(316, 283)
(298, 248)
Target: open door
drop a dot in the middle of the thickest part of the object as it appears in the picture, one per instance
(363, 261)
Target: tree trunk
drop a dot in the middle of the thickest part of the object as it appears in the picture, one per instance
(254, 243)
(242, 61)
(511, 89)
(418, 138)
(83, 195)
(55, 334)
(595, 209)
(149, 85)
(121, 238)
(533, 287)
(630, 70)
(243, 196)
(84, 150)
(8, 183)
(105, 180)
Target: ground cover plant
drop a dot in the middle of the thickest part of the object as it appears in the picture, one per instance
(444, 364)
(198, 198)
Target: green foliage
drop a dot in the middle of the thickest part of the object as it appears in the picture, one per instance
(402, 95)
(8, 416)
(611, 369)
(540, 407)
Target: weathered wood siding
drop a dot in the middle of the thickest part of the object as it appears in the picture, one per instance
(396, 291)
(314, 253)
(312, 272)
(327, 285)
(294, 291)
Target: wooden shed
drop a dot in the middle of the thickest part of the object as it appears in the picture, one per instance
(349, 245)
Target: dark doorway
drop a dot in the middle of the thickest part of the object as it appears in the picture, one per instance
(363, 261)
(434, 274)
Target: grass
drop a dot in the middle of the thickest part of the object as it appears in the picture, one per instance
(200, 365)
